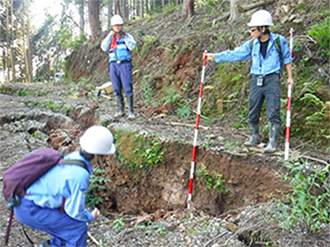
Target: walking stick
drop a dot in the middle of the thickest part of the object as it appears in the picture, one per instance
(288, 113)
(192, 169)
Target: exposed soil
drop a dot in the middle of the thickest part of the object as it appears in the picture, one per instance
(151, 195)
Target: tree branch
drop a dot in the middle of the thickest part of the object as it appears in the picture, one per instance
(244, 8)
(74, 22)
(93, 239)
(221, 18)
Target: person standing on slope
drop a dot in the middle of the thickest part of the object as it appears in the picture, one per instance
(268, 52)
(119, 44)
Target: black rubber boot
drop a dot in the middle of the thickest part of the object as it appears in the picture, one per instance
(120, 104)
(273, 135)
(131, 114)
(254, 130)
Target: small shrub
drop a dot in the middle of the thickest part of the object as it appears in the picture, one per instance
(138, 152)
(118, 225)
(215, 181)
(320, 33)
(96, 184)
(147, 90)
(25, 92)
(148, 42)
(307, 203)
(183, 109)
(171, 97)
(149, 228)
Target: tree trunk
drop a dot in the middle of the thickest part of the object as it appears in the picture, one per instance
(126, 14)
(94, 18)
(233, 11)
(3, 72)
(187, 8)
(110, 13)
(82, 19)
(142, 6)
(147, 6)
(153, 5)
(7, 66)
(12, 54)
(117, 7)
(28, 53)
(26, 59)
(138, 8)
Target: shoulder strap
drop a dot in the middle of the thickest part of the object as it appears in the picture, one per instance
(123, 34)
(277, 43)
(251, 45)
(75, 162)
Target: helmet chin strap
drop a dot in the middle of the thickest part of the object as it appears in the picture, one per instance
(261, 32)
(99, 161)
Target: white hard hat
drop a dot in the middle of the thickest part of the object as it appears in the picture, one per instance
(97, 140)
(261, 18)
(117, 20)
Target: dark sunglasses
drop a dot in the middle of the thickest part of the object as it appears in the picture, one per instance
(252, 30)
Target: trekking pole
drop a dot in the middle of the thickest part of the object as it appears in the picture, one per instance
(192, 170)
(288, 113)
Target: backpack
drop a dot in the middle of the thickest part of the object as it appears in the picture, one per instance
(29, 169)
(277, 43)
(20, 176)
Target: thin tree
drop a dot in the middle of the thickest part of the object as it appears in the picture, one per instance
(187, 8)
(26, 37)
(125, 9)
(94, 18)
(233, 11)
(142, 8)
(117, 7)
(81, 10)
(147, 6)
(7, 62)
(12, 33)
(110, 12)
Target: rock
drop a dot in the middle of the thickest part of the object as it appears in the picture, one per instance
(285, 8)
(298, 21)
(231, 226)
(292, 17)
(159, 214)
(284, 19)
(143, 219)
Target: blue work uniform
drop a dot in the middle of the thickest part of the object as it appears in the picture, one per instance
(120, 62)
(270, 67)
(55, 203)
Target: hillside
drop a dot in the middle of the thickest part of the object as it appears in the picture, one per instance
(167, 66)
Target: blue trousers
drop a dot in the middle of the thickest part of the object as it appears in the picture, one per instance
(271, 92)
(65, 230)
(121, 77)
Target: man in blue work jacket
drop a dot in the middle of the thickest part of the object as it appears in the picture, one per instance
(119, 44)
(55, 203)
(269, 52)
